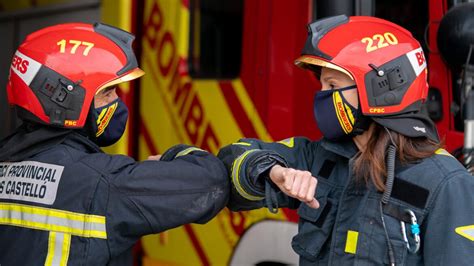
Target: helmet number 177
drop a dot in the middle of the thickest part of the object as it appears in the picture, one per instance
(75, 44)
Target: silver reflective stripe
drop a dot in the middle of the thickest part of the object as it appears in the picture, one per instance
(470, 232)
(58, 249)
(77, 224)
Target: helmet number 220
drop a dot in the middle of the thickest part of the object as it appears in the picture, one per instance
(381, 41)
(75, 44)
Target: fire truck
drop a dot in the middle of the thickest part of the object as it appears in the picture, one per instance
(217, 71)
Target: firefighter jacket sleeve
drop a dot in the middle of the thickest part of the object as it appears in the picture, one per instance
(249, 161)
(449, 235)
(188, 185)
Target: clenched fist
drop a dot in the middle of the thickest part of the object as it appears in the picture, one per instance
(296, 183)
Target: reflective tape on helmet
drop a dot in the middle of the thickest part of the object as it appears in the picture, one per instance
(417, 60)
(25, 67)
(77, 224)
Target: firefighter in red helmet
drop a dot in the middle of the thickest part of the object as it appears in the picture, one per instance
(377, 188)
(64, 201)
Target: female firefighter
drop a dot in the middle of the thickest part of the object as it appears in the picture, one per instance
(62, 200)
(377, 189)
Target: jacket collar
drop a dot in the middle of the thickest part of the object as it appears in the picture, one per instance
(80, 142)
(345, 149)
(31, 139)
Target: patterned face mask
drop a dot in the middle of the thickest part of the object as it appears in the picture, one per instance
(111, 120)
(334, 115)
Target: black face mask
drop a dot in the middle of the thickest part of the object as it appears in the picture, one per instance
(335, 116)
(111, 120)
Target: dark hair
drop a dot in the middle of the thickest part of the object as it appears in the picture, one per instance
(370, 164)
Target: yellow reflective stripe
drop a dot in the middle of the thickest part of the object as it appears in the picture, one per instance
(87, 218)
(235, 177)
(53, 220)
(289, 142)
(58, 249)
(351, 242)
(441, 151)
(65, 249)
(242, 143)
(466, 231)
(56, 228)
(51, 247)
(187, 151)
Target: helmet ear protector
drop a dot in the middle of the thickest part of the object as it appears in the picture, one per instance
(388, 83)
(57, 71)
(384, 60)
(60, 98)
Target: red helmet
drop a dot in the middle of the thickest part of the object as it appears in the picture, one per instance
(57, 71)
(385, 61)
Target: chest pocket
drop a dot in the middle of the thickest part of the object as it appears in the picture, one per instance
(315, 225)
(394, 214)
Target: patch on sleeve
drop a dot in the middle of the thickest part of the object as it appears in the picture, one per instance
(30, 181)
(466, 231)
(289, 142)
(443, 152)
(242, 143)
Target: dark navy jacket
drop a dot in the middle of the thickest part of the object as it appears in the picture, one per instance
(347, 228)
(62, 200)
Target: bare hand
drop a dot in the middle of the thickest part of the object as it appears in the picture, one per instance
(296, 183)
(154, 157)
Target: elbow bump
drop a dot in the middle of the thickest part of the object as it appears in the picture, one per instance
(219, 174)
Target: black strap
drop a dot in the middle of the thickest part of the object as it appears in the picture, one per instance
(326, 169)
(396, 212)
(410, 193)
(270, 197)
(324, 213)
